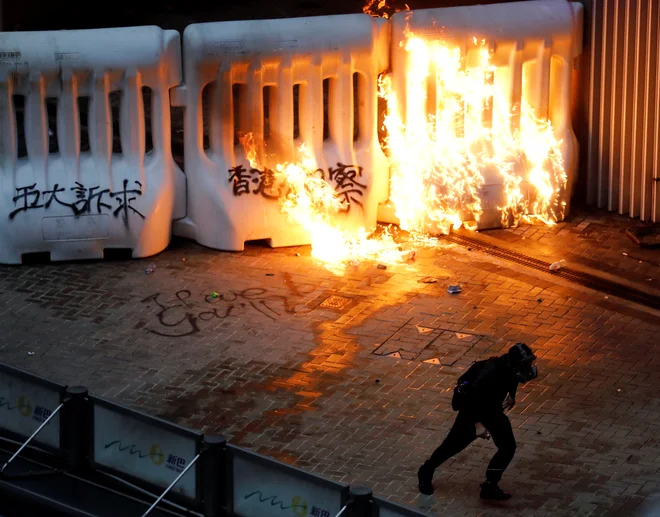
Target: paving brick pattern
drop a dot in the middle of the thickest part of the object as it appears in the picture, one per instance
(591, 238)
(243, 344)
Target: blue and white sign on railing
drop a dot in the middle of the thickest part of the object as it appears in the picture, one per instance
(264, 488)
(144, 447)
(26, 401)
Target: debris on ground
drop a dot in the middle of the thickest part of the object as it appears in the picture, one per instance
(557, 265)
(270, 274)
(381, 266)
(427, 280)
(412, 255)
(30, 353)
(539, 300)
(645, 236)
(454, 289)
(150, 269)
(214, 295)
(183, 259)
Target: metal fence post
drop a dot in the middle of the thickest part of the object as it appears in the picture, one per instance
(213, 474)
(75, 428)
(360, 501)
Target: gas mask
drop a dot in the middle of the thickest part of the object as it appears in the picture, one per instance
(527, 373)
(522, 361)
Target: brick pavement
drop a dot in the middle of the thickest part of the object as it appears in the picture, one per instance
(242, 344)
(591, 238)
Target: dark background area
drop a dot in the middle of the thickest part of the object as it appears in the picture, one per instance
(51, 15)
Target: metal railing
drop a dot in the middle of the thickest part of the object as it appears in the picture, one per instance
(164, 463)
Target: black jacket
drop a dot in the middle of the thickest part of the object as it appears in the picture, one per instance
(490, 381)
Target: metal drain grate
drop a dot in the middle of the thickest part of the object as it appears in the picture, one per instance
(334, 302)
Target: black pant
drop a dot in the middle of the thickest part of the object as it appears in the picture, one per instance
(464, 432)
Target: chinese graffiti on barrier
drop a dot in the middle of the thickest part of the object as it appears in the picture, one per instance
(347, 180)
(87, 200)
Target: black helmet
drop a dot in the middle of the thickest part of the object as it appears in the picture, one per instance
(521, 360)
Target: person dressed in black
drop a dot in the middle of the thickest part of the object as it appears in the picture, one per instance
(482, 394)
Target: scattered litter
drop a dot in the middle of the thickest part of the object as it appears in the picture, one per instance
(607, 297)
(618, 390)
(32, 353)
(625, 254)
(557, 265)
(538, 432)
(469, 249)
(434, 360)
(454, 289)
(423, 330)
(540, 300)
(270, 274)
(183, 259)
(428, 280)
(377, 380)
(460, 335)
(412, 255)
(649, 279)
(297, 254)
(475, 307)
(150, 269)
(381, 266)
(395, 355)
(214, 295)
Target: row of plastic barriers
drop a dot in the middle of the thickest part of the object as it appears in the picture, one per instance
(86, 162)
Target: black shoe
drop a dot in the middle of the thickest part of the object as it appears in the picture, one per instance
(493, 492)
(425, 481)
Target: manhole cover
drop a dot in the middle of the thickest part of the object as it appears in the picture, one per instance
(334, 302)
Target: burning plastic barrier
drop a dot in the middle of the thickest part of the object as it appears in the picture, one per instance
(75, 173)
(478, 129)
(301, 94)
(479, 115)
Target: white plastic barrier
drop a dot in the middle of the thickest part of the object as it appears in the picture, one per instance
(533, 46)
(70, 188)
(267, 77)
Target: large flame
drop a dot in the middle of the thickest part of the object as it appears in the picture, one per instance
(314, 204)
(440, 160)
(448, 147)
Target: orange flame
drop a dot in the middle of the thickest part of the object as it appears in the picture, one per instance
(315, 205)
(380, 9)
(440, 161)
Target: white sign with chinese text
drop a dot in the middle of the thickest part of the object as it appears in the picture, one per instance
(144, 450)
(261, 491)
(25, 405)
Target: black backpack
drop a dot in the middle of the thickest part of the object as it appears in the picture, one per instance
(465, 387)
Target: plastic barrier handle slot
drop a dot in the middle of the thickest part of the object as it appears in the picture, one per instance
(31, 437)
(171, 486)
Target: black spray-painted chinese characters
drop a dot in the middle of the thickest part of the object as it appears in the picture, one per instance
(88, 200)
(346, 180)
